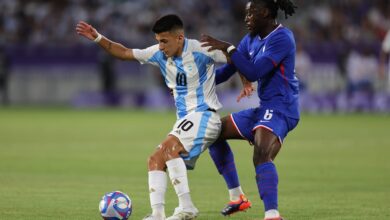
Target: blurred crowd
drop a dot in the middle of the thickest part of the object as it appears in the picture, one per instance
(48, 22)
(347, 34)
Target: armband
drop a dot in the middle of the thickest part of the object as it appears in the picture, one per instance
(98, 38)
(231, 49)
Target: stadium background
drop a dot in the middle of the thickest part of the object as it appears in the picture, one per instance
(338, 51)
(75, 123)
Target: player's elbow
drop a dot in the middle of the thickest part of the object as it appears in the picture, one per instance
(252, 76)
(128, 54)
(252, 79)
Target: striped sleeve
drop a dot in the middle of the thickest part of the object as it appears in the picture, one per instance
(145, 56)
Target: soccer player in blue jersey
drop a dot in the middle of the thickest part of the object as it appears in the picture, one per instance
(265, 55)
(188, 70)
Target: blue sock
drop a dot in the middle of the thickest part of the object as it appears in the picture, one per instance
(223, 159)
(267, 184)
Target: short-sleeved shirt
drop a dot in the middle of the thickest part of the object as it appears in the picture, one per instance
(191, 76)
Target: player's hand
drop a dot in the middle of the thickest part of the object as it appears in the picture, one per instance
(213, 43)
(247, 91)
(86, 30)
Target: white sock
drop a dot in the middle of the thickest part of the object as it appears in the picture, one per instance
(157, 189)
(235, 193)
(272, 213)
(178, 175)
(158, 210)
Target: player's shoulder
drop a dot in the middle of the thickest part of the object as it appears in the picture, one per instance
(282, 35)
(146, 53)
(154, 48)
(150, 50)
(194, 45)
(248, 38)
(283, 32)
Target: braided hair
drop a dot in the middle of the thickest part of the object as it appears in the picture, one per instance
(274, 5)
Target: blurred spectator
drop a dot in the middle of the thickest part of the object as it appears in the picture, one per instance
(4, 65)
(362, 70)
(385, 60)
(108, 80)
(303, 66)
(303, 69)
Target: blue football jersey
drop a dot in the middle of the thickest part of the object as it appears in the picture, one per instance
(278, 90)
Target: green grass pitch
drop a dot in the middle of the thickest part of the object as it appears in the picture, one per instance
(57, 164)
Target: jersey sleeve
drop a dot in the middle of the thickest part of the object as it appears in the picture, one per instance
(146, 56)
(243, 46)
(278, 47)
(386, 43)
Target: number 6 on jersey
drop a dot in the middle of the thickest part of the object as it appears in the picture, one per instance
(268, 114)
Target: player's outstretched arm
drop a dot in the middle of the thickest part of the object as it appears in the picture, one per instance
(251, 71)
(115, 49)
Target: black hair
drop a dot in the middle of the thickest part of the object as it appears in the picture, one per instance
(273, 5)
(167, 23)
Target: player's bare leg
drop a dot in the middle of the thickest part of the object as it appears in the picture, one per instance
(223, 158)
(168, 156)
(229, 130)
(266, 147)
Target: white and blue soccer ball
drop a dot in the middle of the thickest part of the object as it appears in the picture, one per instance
(115, 206)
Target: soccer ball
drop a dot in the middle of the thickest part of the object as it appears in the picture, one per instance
(115, 206)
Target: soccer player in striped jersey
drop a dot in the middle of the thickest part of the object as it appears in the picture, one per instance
(265, 55)
(188, 70)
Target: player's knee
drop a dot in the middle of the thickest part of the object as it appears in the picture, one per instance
(152, 159)
(156, 161)
(260, 159)
(170, 151)
(261, 154)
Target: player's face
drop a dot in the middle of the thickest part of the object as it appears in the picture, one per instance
(254, 17)
(170, 43)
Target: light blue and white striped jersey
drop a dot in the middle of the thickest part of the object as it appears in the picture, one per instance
(191, 76)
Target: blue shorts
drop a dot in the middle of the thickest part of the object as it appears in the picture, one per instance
(247, 121)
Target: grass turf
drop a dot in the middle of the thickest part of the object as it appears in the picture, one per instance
(57, 163)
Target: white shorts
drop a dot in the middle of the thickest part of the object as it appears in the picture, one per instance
(197, 131)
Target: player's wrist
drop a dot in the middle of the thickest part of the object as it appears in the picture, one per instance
(230, 50)
(98, 38)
